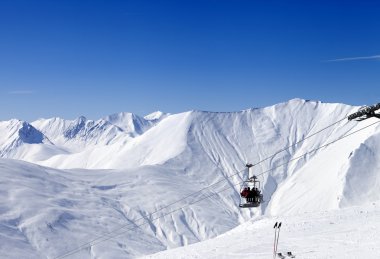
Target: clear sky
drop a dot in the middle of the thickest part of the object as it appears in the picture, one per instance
(94, 58)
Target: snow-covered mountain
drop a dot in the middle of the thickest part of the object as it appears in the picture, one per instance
(145, 164)
(19, 139)
(133, 124)
(125, 140)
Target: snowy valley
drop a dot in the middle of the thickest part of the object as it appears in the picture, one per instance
(126, 186)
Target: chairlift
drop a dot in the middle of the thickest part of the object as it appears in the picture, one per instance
(250, 191)
(365, 112)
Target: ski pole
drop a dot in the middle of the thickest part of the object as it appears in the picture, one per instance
(278, 235)
(274, 243)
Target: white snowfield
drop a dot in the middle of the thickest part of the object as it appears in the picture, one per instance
(345, 233)
(106, 188)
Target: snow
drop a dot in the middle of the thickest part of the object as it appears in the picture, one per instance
(156, 116)
(327, 194)
(51, 211)
(345, 233)
(64, 183)
(129, 122)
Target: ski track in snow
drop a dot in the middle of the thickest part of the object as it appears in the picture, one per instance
(129, 168)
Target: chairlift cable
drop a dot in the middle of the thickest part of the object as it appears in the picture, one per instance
(313, 150)
(301, 140)
(108, 237)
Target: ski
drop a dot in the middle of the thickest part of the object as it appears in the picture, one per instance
(276, 227)
(289, 254)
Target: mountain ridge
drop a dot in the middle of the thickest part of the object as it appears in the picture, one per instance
(124, 131)
(183, 153)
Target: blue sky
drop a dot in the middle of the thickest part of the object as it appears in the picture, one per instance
(94, 58)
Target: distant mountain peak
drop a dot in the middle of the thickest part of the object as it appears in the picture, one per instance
(30, 135)
(157, 115)
(134, 124)
(76, 126)
(23, 132)
(16, 133)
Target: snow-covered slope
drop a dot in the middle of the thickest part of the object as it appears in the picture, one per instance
(144, 164)
(89, 143)
(15, 133)
(79, 134)
(46, 212)
(20, 140)
(133, 124)
(349, 233)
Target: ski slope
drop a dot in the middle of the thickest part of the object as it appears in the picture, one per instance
(67, 183)
(346, 233)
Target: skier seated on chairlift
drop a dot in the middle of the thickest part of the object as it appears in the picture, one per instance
(245, 192)
(255, 194)
(251, 194)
